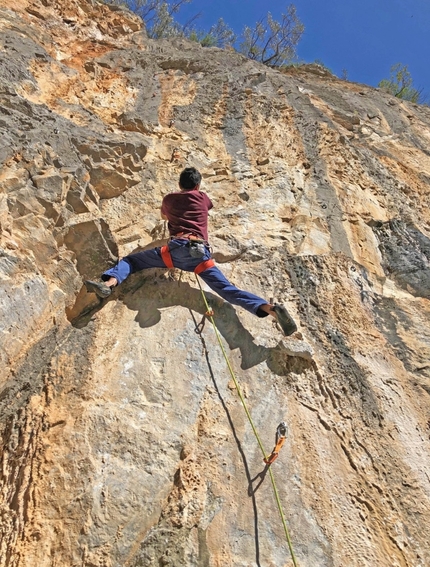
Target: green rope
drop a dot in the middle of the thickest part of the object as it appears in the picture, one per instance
(239, 391)
(281, 513)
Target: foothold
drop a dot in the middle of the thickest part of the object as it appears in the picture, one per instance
(171, 123)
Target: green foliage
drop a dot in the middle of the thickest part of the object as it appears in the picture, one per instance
(400, 84)
(271, 42)
(219, 35)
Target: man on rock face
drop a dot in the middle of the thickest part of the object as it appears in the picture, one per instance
(187, 214)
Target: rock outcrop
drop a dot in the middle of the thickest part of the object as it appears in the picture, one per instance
(123, 442)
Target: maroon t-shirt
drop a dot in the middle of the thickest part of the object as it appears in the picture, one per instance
(187, 211)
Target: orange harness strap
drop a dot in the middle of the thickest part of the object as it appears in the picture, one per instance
(204, 266)
(167, 259)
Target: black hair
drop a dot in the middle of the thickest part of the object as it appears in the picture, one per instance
(190, 178)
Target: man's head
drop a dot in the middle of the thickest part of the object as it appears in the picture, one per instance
(190, 179)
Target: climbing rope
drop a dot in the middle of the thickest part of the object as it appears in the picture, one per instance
(280, 432)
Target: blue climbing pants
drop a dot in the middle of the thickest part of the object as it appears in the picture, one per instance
(180, 253)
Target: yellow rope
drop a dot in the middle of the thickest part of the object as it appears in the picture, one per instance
(239, 391)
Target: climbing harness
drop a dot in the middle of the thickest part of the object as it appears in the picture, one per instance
(167, 259)
(281, 435)
(281, 431)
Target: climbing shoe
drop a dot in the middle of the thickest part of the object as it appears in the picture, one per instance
(284, 319)
(99, 288)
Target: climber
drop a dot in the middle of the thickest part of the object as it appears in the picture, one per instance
(187, 214)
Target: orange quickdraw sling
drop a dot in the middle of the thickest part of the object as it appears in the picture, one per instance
(167, 259)
(281, 434)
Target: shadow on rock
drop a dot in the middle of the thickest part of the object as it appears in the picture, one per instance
(157, 295)
(157, 291)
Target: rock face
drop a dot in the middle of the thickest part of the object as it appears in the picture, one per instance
(123, 441)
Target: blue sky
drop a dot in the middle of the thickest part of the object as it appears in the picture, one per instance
(365, 37)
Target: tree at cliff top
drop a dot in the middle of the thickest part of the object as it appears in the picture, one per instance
(270, 42)
(400, 85)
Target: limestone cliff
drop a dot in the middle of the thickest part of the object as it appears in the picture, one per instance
(123, 442)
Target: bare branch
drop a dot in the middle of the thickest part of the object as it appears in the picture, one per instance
(272, 42)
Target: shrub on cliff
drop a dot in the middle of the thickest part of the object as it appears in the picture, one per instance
(400, 85)
(219, 35)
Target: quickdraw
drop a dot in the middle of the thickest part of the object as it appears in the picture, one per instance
(281, 435)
